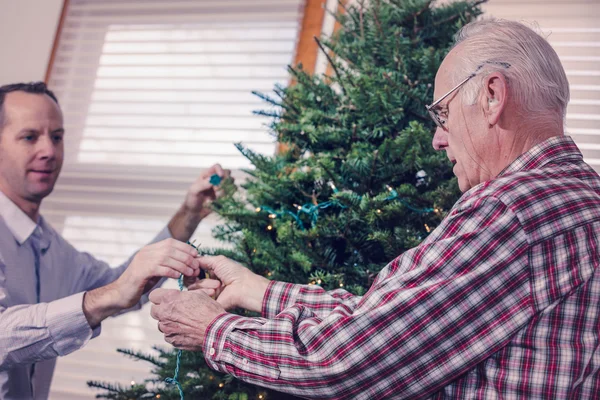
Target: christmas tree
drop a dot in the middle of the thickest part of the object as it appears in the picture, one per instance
(358, 184)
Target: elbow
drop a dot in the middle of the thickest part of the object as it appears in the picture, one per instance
(324, 380)
(6, 362)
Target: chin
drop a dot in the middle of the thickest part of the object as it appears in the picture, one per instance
(463, 186)
(39, 193)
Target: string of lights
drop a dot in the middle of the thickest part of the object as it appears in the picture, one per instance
(312, 210)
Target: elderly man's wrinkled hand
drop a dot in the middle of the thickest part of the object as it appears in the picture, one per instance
(231, 284)
(183, 317)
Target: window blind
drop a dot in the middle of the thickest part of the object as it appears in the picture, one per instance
(153, 92)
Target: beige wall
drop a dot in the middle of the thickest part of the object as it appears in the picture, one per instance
(27, 29)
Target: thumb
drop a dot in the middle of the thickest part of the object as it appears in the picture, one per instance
(209, 263)
(158, 295)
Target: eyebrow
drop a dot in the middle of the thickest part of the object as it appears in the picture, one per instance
(25, 130)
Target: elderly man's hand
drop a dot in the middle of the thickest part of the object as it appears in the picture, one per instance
(201, 193)
(231, 284)
(184, 316)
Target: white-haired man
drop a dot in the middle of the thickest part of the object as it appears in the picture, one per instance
(500, 301)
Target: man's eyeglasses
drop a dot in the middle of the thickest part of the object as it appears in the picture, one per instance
(433, 110)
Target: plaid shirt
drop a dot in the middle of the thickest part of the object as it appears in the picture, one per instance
(500, 301)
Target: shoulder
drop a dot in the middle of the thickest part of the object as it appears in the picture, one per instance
(562, 197)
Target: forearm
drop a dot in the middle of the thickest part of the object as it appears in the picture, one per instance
(31, 333)
(281, 295)
(183, 224)
(275, 354)
(101, 303)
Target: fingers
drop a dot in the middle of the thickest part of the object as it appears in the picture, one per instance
(157, 296)
(181, 246)
(208, 263)
(180, 257)
(182, 263)
(205, 284)
(217, 169)
(202, 185)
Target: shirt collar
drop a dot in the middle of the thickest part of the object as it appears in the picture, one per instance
(553, 150)
(19, 223)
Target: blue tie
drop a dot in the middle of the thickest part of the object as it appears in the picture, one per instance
(35, 245)
(40, 243)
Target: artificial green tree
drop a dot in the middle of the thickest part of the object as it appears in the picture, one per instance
(358, 184)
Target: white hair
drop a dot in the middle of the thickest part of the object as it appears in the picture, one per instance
(536, 78)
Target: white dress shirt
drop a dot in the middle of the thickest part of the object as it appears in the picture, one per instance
(33, 334)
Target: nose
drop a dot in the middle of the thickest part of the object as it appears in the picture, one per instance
(440, 139)
(46, 148)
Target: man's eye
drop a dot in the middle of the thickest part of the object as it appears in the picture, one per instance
(58, 139)
(29, 138)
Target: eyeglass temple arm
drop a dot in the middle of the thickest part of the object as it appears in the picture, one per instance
(435, 103)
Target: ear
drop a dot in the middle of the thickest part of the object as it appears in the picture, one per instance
(494, 99)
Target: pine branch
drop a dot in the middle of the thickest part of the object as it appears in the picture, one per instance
(377, 23)
(362, 23)
(106, 386)
(138, 355)
(333, 65)
(375, 157)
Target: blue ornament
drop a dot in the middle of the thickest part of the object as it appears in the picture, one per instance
(215, 180)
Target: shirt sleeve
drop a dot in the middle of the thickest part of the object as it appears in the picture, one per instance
(31, 333)
(281, 295)
(431, 315)
(35, 332)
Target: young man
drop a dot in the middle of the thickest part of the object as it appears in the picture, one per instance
(52, 297)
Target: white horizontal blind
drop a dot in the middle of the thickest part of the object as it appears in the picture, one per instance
(573, 29)
(154, 91)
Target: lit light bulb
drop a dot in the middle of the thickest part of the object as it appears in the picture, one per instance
(272, 216)
(221, 385)
(269, 227)
(427, 228)
(257, 209)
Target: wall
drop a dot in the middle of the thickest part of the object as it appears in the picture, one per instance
(27, 29)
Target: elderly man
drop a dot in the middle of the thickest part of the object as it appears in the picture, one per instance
(52, 297)
(500, 301)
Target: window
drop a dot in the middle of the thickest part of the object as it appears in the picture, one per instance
(154, 91)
